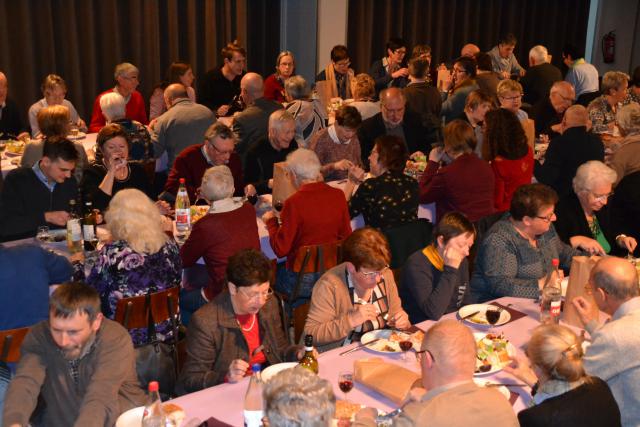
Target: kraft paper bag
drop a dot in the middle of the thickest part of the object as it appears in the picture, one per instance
(530, 131)
(323, 89)
(578, 277)
(388, 379)
(282, 184)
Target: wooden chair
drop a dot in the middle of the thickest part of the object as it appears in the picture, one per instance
(11, 340)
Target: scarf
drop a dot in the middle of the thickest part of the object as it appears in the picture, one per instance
(330, 74)
(432, 254)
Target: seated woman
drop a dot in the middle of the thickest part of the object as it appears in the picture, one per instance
(603, 109)
(337, 146)
(435, 280)
(228, 227)
(475, 109)
(338, 75)
(510, 97)
(240, 327)
(584, 219)
(625, 156)
(461, 85)
(505, 146)
(563, 394)
(274, 84)
(309, 113)
(54, 90)
(105, 177)
(363, 88)
(391, 70)
(455, 178)
(139, 259)
(316, 213)
(357, 296)
(389, 197)
(515, 255)
(178, 72)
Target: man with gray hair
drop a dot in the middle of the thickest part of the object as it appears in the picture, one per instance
(251, 124)
(615, 345)
(126, 77)
(540, 76)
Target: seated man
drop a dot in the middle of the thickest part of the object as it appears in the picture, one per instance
(470, 50)
(338, 75)
(548, 114)
(450, 398)
(503, 59)
(615, 344)
(192, 162)
(11, 123)
(81, 365)
(219, 88)
(39, 195)
(422, 98)
(540, 76)
(357, 296)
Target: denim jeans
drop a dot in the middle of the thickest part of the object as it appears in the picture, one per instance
(190, 302)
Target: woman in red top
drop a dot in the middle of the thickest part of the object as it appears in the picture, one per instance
(274, 84)
(511, 157)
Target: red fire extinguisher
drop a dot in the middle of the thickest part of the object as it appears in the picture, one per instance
(609, 47)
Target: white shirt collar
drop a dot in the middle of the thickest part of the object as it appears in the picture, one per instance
(226, 205)
(334, 136)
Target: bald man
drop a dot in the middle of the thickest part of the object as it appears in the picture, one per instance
(568, 151)
(615, 345)
(252, 124)
(450, 397)
(11, 122)
(540, 76)
(470, 50)
(548, 113)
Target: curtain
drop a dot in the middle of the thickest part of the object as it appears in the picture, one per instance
(446, 25)
(83, 40)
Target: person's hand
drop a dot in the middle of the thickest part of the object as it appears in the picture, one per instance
(24, 136)
(436, 153)
(268, 216)
(587, 244)
(544, 138)
(366, 414)
(505, 75)
(300, 353)
(521, 369)
(361, 313)
(399, 320)
(82, 126)
(116, 164)
(270, 183)
(56, 217)
(417, 155)
(250, 190)
(442, 67)
(401, 72)
(583, 307)
(523, 72)
(356, 174)
(447, 83)
(342, 165)
(152, 124)
(628, 243)
(164, 207)
(237, 369)
(452, 256)
(222, 110)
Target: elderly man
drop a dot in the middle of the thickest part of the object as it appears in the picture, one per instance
(612, 355)
(80, 364)
(503, 59)
(182, 125)
(193, 161)
(220, 87)
(126, 76)
(548, 113)
(567, 152)
(394, 120)
(252, 124)
(540, 76)
(450, 397)
(470, 50)
(10, 119)
(582, 75)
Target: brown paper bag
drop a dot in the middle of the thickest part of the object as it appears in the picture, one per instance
(282, 184)
(578, 277)
(388, 379)
(323, 89)
(530, 131)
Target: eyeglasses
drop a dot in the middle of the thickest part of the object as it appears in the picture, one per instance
(400, 51)
(602, 197)
(547, 218)
(511, 98)
(458, 70)
(419, 354)
(372, 274)
(212, 145)
(255, 295)
(344, 63)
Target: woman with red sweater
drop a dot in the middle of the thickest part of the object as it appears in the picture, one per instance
(511, 157)
(274, 84)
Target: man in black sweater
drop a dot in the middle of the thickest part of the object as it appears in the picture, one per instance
(11, 123)
(40, 195)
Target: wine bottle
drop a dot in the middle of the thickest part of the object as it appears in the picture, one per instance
(309, 360)
(89, 227)
(253, 411)
(74, 229)
(551, 295)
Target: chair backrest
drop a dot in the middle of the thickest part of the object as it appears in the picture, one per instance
(299, 319)
(11, 340)
(133, 312)
(405, 239)
(317, 258)
(482, 226)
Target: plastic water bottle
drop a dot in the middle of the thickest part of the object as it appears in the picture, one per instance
(253, 399)
(183, 214)
(551, 298)
(154, 415)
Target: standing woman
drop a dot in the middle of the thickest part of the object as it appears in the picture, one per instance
(178, 72)
(274, 84)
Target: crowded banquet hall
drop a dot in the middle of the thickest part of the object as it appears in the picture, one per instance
(319, 213)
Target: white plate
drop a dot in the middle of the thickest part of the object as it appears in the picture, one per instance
(80, 135)
(270, 371)
(477, 336)
(131, 418)
(379, 346)
(502, 389)
(505, 316)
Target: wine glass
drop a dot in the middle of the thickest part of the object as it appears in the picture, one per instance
(43, 234)
(405, 345)
(277, 205)
(345, 382)
(492, 314)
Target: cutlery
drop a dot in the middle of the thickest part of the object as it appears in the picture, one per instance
(469, 315)
(390, 415)
(360, 346)
(488, 384)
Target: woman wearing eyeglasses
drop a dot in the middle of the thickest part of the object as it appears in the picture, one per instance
(455, 91)
(584, 220)
(563, 394)
(391, 71)
(510, 97)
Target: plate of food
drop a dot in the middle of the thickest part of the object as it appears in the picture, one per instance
(76, 136)
(346, 412)
(480, 318)
(198, 211)
(388, 341)
(268, 372)
(14, 148)
(493, 352)
(133, 417)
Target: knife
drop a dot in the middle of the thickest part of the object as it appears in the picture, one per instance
(360, 346)
(469, 315)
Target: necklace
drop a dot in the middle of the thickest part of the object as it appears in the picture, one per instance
(253, 322)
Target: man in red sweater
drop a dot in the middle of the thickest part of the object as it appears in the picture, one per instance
(126, 76)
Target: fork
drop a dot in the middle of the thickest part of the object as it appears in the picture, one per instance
(391, 415)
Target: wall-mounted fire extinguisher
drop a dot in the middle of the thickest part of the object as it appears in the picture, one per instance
(609, 47)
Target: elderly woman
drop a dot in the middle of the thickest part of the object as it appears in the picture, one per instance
(563, 393)
(316, 213)
(338, 75)
(274, 84)
(54, 90)
(603, 109)
(229, 226)
(337, 146)
(625, 157)
(391, 70)
(389, 197)
(113, 172)
(584, 220)
(240, 327)
(515, 256)
(475, 109)
(357, 296)
(506, 147)
(126, 76)
(458, 88)
(309, 113)
(264, 153)
(53, 120)
(178, 72)
(139, 259)
(510, 97)
(363, 88)
(455, 178)
(435, 280)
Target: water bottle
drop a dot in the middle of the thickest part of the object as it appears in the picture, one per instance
(153, 415)
(253, 399)
(183, 214)
(551, 298)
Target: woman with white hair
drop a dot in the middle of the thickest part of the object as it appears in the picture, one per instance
(141, 258)
(625, 157)
(603, 109)
(228, 226)
(126, 77)
(316, 213)
(583, 218)
(309, 113)
(264, 153)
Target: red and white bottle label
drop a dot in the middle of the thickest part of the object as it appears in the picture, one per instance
(554, 310)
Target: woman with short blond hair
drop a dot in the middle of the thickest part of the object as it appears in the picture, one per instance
(54, 91)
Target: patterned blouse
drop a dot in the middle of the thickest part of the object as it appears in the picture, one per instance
(122, 272)
(601, 113)
(387, 200)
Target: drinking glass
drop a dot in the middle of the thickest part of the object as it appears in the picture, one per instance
(405, 345)
(493, 315)
(345, 382)
(43, 234)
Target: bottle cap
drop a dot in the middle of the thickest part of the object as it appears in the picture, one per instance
(255, 368)
(181, 181)
(555, 262)
(154, 386)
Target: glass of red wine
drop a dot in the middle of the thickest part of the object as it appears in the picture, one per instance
(493, 314)
(277, 205)
(345, 382)
(405, 345)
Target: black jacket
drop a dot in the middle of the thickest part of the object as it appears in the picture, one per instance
(625, 206)
(424, 100)
(538, 81)
(11, 121)
(261, 157)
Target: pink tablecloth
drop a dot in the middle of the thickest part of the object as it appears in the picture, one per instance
(225, 401)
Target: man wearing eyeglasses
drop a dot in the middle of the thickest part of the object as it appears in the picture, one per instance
(338, 75)
(549, 113)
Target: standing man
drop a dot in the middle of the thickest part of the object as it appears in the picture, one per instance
(540, 76)
(10, 119)
(502, 57)
(79, 363)
(220, 88)
(582, 75)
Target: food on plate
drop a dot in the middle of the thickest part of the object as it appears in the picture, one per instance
(174, 412)
(198, 211)
(480, 318)
(389, 348)
(346, 410)
(15, 146)
(389, 341)
(492, 352)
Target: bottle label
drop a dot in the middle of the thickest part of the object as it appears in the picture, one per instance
(253, 418)
(554, 309)
(88, 231)
(74, 230)
(183, 217)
